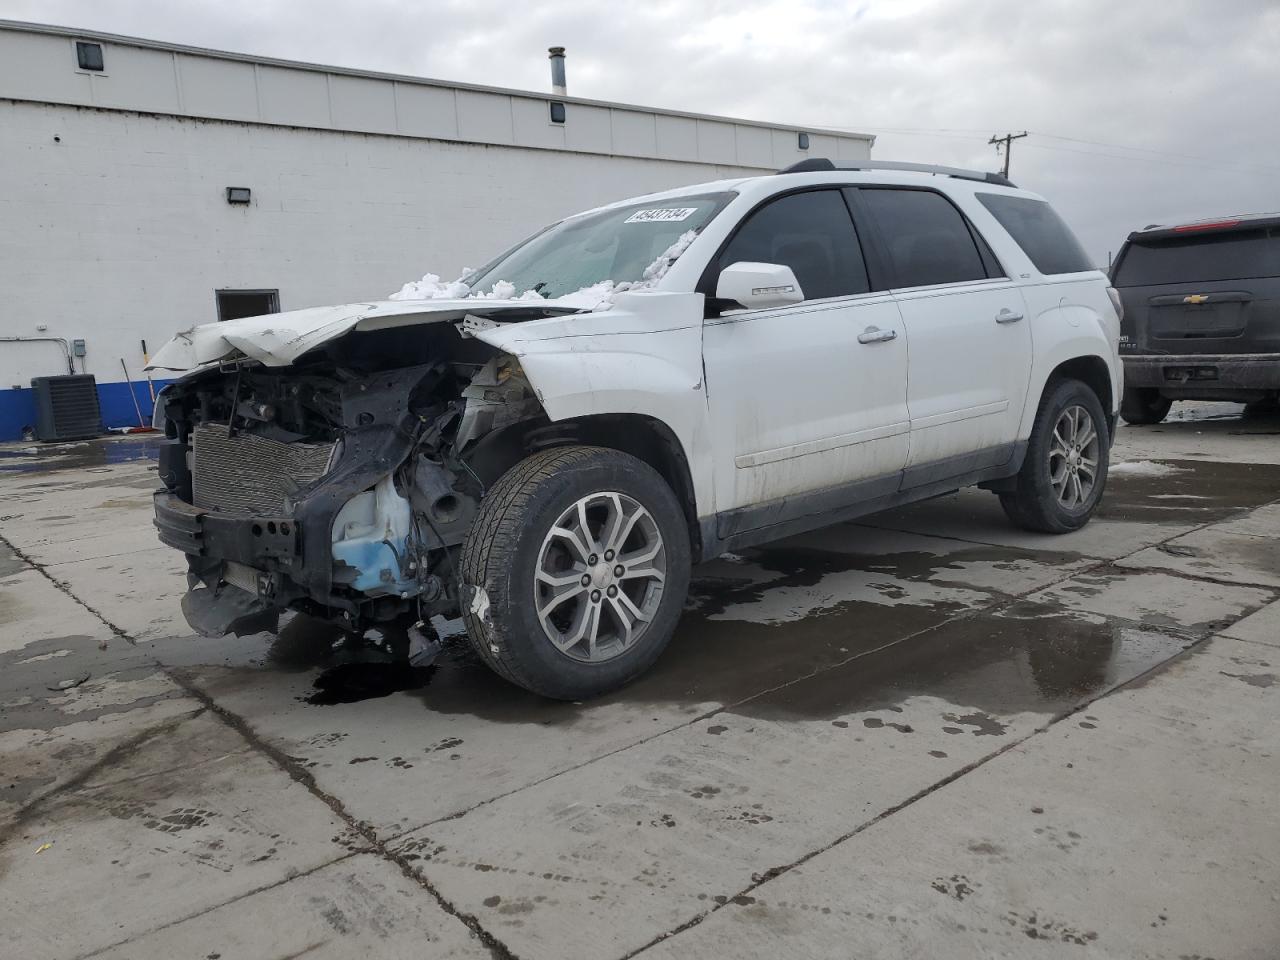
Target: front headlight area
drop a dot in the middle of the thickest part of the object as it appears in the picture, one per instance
(373, 545)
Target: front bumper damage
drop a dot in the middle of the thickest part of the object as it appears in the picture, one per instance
(246, 567)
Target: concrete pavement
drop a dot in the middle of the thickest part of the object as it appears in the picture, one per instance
(926, 734)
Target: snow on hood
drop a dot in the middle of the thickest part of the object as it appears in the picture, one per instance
(278, 339)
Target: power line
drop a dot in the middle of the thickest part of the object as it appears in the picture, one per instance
(1120, 146)
(1171, 160)
(1153, 156)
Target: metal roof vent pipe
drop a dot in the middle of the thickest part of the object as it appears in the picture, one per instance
(556, 55)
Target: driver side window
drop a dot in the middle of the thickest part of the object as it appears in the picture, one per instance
(810, 232)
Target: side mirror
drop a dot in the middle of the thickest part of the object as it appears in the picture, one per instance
(758, 285)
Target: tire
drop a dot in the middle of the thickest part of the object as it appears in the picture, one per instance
(1143, 406)
(510, 551)
(1259, 409)
(1036, 503)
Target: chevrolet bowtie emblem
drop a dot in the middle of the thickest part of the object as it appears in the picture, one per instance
(1196, 298)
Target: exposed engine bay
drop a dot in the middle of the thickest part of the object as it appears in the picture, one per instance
(341, 485)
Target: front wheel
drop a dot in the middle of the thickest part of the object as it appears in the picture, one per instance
(1065, 469)
(575, 571)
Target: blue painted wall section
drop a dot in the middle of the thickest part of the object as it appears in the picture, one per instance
(18, 406)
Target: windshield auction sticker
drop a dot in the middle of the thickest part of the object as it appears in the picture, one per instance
(662, 215)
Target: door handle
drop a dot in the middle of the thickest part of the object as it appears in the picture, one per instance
(1008, 316)
(876, 335)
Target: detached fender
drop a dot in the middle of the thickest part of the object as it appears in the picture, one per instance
(1070, 332)
(644, 357)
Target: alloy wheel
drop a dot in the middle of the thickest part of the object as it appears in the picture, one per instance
(1073, 457)
(600, 576)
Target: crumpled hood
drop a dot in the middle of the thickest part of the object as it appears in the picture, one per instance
(278, 339)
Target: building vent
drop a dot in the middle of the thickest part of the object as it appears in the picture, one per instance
(66, 408)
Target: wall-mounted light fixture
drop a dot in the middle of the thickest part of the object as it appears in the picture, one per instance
(238, 195)
(802, 141)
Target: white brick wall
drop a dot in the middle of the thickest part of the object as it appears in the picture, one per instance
(116, 227)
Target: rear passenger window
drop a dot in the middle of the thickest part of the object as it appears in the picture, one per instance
(1040, 232)
(926, 238)
(812, 233)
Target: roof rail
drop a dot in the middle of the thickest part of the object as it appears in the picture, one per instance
(816, 164)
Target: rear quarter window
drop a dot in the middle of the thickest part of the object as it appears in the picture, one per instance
(1043, 236)
(1200, 259)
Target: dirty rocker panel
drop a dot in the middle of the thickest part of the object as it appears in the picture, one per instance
(762, 523)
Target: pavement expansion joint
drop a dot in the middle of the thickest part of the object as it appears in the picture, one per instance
(65, 588)
(302, 776)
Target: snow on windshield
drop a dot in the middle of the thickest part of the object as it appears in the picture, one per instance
(584, 261)
(596, 296)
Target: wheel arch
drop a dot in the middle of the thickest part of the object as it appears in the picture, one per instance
(1080, 359)
(1092, 371)
(644, 437)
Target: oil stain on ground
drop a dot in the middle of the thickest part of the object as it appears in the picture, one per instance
(354, 682)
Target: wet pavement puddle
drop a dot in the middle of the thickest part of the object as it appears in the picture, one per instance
(1186, 491)
(886, 641)
(39, 458)
(724, 652)
(1026, 658)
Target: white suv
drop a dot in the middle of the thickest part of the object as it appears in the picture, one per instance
(548, 444)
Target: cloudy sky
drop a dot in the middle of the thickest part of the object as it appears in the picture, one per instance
(1140, 111)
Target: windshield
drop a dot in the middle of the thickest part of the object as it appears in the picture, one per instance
(620, 244)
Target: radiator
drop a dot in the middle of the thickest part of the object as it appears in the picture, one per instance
(244, 474)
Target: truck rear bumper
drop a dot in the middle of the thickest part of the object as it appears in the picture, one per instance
(1204, 375)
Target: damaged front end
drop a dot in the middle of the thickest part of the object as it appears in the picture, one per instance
(340, 485)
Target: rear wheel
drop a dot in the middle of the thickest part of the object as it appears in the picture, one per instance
(575, 571)
(1266, 407)
(1065, 470)
(1143, 405)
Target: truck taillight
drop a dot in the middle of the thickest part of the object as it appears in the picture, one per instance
(1205, 225)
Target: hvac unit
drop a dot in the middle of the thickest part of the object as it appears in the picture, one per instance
(66, 408)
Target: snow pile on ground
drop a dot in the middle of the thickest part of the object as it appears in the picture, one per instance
(1143, 468)
(598, 296)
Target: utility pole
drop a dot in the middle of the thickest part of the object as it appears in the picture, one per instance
(1007, 140)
